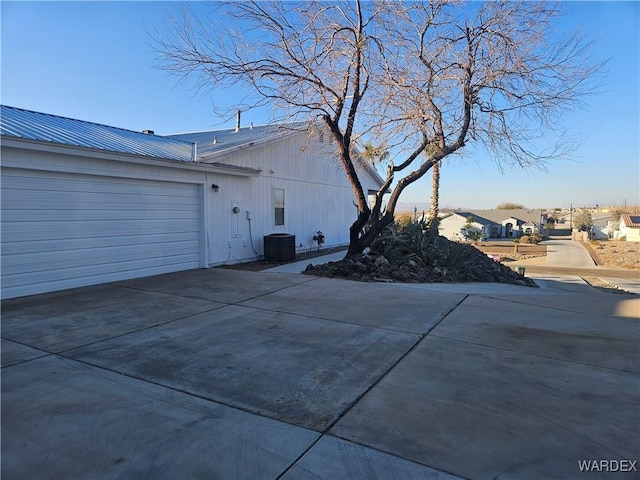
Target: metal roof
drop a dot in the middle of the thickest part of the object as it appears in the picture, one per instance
(210, 143)
(216, 141)
(43, 127)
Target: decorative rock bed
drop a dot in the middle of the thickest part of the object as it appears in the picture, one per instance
(476, 267)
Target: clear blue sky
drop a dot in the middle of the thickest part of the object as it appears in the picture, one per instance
(94, 61)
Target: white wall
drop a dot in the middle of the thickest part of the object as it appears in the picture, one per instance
(450, 226)
(631, 234)
(318, 196)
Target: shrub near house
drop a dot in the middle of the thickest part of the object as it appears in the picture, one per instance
(471, 232)
(533, 239)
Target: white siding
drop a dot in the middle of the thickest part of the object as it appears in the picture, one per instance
(318, 196)
(63, 230)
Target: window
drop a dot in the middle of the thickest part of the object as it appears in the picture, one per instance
(278, 197)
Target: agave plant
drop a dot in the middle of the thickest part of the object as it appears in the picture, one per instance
(419, 242)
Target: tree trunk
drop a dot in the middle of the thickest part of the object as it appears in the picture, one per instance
(435, 193)
(359, 240)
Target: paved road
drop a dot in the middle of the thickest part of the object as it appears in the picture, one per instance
(569, 258)
(585, 272)
(567, 253)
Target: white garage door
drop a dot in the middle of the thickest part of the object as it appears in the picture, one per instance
(68, 230)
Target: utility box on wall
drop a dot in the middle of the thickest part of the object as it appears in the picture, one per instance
(279, 247)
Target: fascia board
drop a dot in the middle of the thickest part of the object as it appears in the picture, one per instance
(122, 157)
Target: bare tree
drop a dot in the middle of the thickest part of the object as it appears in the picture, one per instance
(419, 80)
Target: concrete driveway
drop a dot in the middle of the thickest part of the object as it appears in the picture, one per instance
(562, 252)
(239, 375)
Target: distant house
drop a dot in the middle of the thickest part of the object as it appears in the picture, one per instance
(84, 203)
(630, 227)
(493, 223)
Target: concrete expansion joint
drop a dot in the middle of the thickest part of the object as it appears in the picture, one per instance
(225, 303)
(324, 319)
(168, 294)
(554, 307)
(168, 387)
(300, 457)
(45, 353)
(526, 352)
(393, 365)
(271, 292)
(369, 447)
(150, 327)
(353, 404)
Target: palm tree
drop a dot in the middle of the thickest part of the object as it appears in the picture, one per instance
(435, 194)
(374, 155)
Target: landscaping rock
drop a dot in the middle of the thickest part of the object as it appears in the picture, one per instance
(475, 267)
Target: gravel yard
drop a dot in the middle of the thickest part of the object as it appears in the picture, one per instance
(509, 251)
(617, 254)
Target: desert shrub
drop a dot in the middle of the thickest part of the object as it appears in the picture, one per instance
(404, 219)
(535, 238)
(419, 243)
(530, 239)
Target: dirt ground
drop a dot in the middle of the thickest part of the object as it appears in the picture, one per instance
(617, 254)
(509, 252)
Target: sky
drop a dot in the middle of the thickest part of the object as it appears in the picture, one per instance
(96, 61)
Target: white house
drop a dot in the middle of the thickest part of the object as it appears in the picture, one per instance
(630, 227)
(451, 225)
(84, 203)
(494, 223)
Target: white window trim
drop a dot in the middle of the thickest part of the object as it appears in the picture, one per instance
(284, 208)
